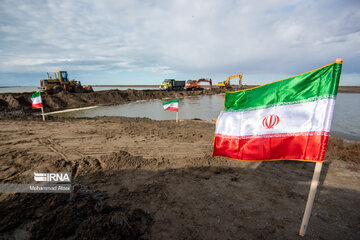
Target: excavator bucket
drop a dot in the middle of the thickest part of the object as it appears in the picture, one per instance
(88, 88)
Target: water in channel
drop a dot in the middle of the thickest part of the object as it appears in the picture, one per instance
(346, 119)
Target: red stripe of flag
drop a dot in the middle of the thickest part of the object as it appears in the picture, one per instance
(37, 105)
(310, 148)
(172, 109)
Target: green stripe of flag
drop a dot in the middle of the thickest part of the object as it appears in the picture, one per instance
(311, 86)
(172, 101)
(35, 95)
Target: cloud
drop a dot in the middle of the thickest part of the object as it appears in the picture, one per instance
(208, 36)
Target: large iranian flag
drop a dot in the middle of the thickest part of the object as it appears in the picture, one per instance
(287, 119)
(36, 100)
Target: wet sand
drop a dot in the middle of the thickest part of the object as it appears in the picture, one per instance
(140, 178)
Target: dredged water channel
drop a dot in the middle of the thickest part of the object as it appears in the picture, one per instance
(346, 119)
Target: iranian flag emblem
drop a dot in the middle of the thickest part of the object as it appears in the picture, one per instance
(270, 121)
(36, 100)
(172, 105)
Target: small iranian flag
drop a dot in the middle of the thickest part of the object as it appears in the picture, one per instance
(36, 100)
(172, 105)
(287, 119)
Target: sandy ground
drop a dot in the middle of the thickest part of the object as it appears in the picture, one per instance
(145, 179)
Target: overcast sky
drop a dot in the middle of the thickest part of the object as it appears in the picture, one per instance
(143, 42)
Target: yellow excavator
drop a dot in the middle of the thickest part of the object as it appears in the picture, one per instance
(61, 82)
(226, 84)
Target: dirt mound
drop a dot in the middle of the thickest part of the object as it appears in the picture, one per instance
(18, 166)
(113, 162)
(344, 150)
(124, 160)
(66, 100)
(46, 216)
(15, 101)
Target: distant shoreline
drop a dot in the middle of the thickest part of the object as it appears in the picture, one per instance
(125, 85)
(349, 89)
(342, 89)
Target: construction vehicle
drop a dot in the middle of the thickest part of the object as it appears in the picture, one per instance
(61, 82)
(226, 84)
(172, 84)
(195, 84)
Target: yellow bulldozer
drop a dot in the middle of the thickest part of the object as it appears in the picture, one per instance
(61, 82)
(226, 84)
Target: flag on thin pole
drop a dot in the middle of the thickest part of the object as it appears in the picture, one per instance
(37, 103)
(36, 100)
(172, 105)
(288, 119)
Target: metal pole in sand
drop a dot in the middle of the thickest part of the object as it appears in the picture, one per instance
(310, 201)
(42, 113)
(177, 116)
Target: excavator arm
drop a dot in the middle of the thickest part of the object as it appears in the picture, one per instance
(227, 82)
(204, 80)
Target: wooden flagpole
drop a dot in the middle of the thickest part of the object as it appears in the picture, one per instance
(177, 116)
(42, 113)
(313, 188)
(310, 201)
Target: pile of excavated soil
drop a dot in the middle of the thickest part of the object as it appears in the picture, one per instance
(137, 178)
(10, 102)
(86, 214)
(66, 100)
